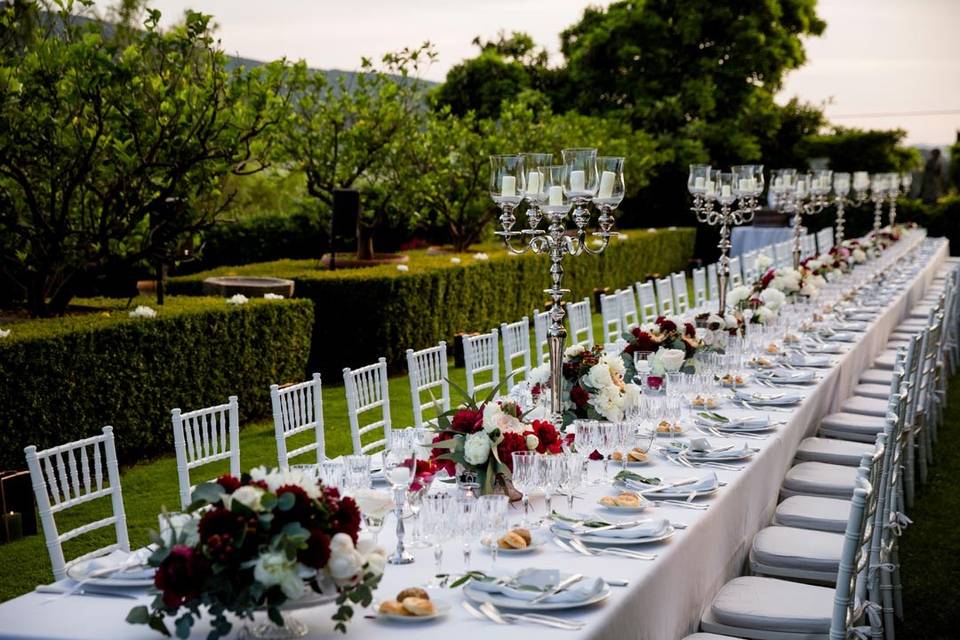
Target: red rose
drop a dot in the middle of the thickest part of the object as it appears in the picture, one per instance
(346, 519)
(511, 442)
(666, 326)
(644, 341)
(181, 575)
(228, 482)
(449, 465)
(689, 330)
(301, 510)
(548, 436)
(317, 553)
(579, 395)
(654, 382)
(768, 278)
(467, 421)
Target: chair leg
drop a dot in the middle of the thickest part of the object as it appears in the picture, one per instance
(908, 472)
(886, 589)
(921, 443)
(897, 586)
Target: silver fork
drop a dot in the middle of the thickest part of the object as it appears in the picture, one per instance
(679, 503)
(624, 553)
(502, 617)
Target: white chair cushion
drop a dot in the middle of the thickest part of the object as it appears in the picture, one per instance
(787, 547)
(852, 426)
(832, 451)
(886, 359)
(813, 512)
(708, 636)
(821, 479)
(754, 602)
(877, 376)
(920, 312)
(869, 390)
(865, 406)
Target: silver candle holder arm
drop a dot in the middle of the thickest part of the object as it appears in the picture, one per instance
(848, 193)
(737, 194)
(550, 192)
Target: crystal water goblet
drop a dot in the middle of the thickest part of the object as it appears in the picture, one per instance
(526, 478)
(551, 477)
(493, 520)
(438, 523)
(572, 475)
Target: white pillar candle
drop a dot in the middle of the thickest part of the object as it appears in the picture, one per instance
(556, 196)
(777, 182)
(533, 182)
(606, 184)
(578, 181)
(725, 191)
(698, 182)
(709, 187)
(743, 185)
(508, 186)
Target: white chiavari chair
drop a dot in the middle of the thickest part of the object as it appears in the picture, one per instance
(784, 254)
(481, 357)
(825, 240)
(297, 409)
(580, 322)
(74, 474)
(699, 288)
(713, 281)
(648, 301)
(516, 346)
(808, 246)
(629, 318)
(610, 315)
(749, 265)
(368, 393)
(205, 436)
(541, 323)
(769, 253)
(680, 294)
(429, 386)
(665, 296)
(736, 274)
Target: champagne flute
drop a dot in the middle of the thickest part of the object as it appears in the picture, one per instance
(573, 467)
(551, 476)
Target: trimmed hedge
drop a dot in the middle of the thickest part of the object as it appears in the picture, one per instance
(363, 314)
(65, 378)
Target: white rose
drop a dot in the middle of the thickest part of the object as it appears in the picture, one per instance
(608, 404)
(738, 295)
(376, 557)
(672, 359)
(614, 362)
(532, 442)
(859, 256)
(274, 568)
(763, 262)
(476, 448)
(494, 418)
(765, 314)
(773, 298)
(345, 561)
(574, 350)
(248, 496)
(599, 376)
(813, 265)
(714, 319)
(731, 321)
(539, 375)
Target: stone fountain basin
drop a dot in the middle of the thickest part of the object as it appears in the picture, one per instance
(250, 286)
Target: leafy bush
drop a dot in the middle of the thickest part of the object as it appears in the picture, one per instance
(63, 379)
(363, 314)
(940, 219)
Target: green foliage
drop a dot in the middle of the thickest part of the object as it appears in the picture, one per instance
(859, 150)
(64, 378)
(101, 130)
(940, 219)
(379, 311)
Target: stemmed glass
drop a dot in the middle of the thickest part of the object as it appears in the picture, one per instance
(437, 524)
(399, 475)
(492, 512)
(551, 477)
(585, 439)
(526, 478)
(467, 523)
(606, 445)
(572, 472)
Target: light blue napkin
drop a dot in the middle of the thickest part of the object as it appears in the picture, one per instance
(539, 580)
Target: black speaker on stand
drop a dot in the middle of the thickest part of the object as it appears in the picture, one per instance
(343, 223)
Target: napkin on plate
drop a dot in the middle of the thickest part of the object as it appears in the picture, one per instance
(699, 447)
(788, 375)
(808, 361)
(704, 420)
(768, 398)
(536, 582)
(841, 336)
(121, 565)
(643, 529)
(704, 484)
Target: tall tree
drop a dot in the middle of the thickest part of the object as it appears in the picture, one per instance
(100, 133)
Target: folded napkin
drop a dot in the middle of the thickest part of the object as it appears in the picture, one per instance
(754, 397)
(863, 316)
(851, 326)
(733, 424)
(808, 361)
(787, 375)
(700, 448)
(704, 484)
(824, 348)
(530, 583)
(841, 336)
(643, 529)
(120, 565)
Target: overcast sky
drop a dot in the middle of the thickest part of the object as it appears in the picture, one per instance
(876, 56)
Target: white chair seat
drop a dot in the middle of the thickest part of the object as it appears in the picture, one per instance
(865, 406)
(832, 451)
(820, 479)
(911, 326)
(811, 555)
(870, 390)
(877, 376)
(813, 512)
(708, 636)
(886, 360)
(852, 426)
(750, 605)
(922, 311)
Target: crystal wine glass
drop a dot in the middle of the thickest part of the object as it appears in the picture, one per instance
(573, 464)
(526, 478)
(493, 520)
(551, 476)
(437, 510)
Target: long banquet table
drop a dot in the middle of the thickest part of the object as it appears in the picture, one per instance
(664, 597)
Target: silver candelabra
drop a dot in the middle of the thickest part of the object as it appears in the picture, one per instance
(737, 194)
(798, 195)
(844, 197)
(550, 191)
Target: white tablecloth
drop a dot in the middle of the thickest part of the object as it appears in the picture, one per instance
(744, 239)
(664, 597)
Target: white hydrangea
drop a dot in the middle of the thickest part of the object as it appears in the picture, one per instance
(738, 295)
(598, 377)
(275, 568)
(539, 375)
(766, 314)
(773, 298)
(608, 403)
(763, 262)
(142, 311)
(614, 362)
(238, 298)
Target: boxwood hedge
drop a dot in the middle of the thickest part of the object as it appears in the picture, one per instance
(64, 378)
(362, 314)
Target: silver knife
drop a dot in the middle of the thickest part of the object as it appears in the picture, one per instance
(560, 586)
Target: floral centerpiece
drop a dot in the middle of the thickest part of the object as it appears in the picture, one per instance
(481, 438)
(671, 341)
(258, 542)
(594, 386)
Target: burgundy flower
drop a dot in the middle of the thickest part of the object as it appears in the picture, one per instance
(449, 465)
(644, 341)
(654, 382)
(689, 330)
(181, 575)
(317, 553)
(511, 442)
(548, 436)
(579, 395)
(302, 506)
(768, 278)
(228, 482)
(219, 521)
(666, 326)
(346, 519)
(467, 421)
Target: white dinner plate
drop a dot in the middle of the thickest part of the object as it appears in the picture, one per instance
(586, 538)
(80, 570)
(503, 601)
(737, 453)
(536, 541)
(644, 504)
(440, 609)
